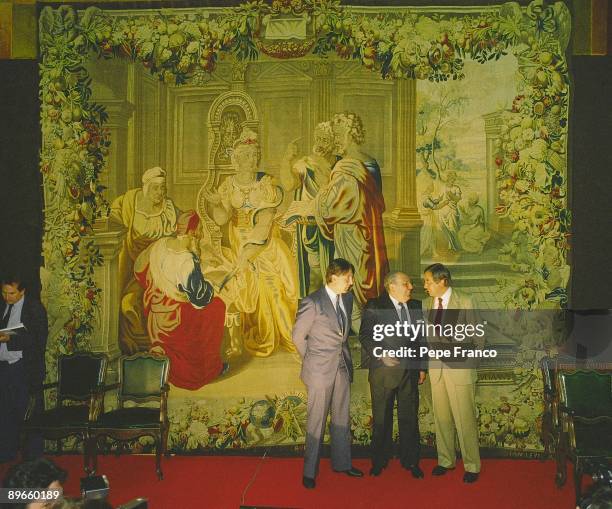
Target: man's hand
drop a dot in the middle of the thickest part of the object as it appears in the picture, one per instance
(4, 338)
(422, 377)
(390, 362)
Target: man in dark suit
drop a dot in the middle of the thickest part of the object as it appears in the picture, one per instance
(22, 363)
(393, 378)
(320, 334)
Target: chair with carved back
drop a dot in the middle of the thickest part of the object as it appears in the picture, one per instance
(585, 409)
(143, 378)
(79, 378)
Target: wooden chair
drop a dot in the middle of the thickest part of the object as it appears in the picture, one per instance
(79, 377)
(143, 378)
(585, 406)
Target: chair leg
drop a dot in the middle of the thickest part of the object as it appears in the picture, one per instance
(94, 454)
(165, 442)
(90, 453)
(578, 470)
(158, 455)
(561, 476)
(546, 436)
(86, 448)
(60, 446)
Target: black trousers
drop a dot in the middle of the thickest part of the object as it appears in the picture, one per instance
(388, 385)
(14, 398)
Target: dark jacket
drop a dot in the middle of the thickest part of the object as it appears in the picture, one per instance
(32, 343)
(381, 311)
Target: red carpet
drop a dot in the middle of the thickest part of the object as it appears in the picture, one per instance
(219, 482)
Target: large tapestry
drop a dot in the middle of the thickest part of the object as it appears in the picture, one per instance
(190, 199)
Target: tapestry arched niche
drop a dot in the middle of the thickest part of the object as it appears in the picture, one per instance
(228, 115)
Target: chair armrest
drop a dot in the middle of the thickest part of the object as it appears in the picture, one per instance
(96, 402)
(105, 388)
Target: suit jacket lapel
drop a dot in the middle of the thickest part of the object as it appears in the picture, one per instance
(453, 302)
(348, 311)
(453, 309)
(391, 310)
(328, 307)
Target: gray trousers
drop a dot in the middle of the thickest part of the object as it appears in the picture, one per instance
(321, 400)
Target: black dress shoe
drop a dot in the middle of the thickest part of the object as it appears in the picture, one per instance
(470, 477)
(376, 471)
(440, 470)
(308, 482)
(416, 472)
(351, 472)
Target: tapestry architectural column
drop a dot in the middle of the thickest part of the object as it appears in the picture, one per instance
(105, 336)
(114, 175)
(404, 221)
(322, 91)
(493, 123)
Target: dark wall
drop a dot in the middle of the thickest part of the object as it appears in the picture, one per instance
(590, 174)
(591, 183)
(20, 180)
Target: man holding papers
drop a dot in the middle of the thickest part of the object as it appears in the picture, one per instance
(22, 361)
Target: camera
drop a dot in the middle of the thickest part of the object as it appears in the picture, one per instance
(97, 488)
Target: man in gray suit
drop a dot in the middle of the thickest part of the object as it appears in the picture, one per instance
(320, 334)
(453, 389)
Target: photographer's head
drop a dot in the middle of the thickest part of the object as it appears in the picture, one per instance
(38, 474)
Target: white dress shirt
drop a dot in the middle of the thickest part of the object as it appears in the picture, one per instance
(333, 296)
(445, 298)
(398, 305)
(15, 319)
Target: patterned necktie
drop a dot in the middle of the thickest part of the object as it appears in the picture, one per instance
(340, 315)
(6, 317)
(439, 311)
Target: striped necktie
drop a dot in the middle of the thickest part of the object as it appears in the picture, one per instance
(340, 315)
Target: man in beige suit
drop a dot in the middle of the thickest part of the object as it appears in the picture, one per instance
(452, 388)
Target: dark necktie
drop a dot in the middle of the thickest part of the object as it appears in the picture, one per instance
(439, 311)
(403, 313)
(340, 315)
(6, 317)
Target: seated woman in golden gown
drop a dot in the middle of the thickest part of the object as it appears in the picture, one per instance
(263, 268)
